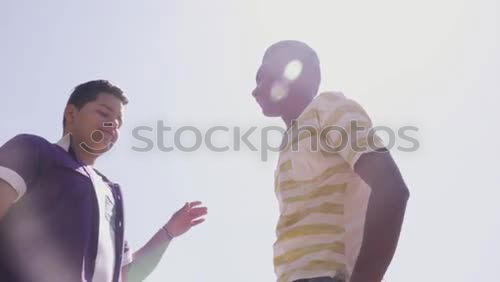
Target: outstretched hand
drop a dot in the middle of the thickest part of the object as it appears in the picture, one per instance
(188, 216)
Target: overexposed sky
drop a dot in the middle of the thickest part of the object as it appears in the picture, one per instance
(430, 64)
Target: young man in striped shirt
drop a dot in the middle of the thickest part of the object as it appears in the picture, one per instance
(61, 220)
(342, 199)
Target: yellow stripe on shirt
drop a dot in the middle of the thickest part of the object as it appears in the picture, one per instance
(327, 173)
(315, 265)
(303, 133)
(286, 166)
(319, 192)
(310, 230)
(325, 208)
(293, 255)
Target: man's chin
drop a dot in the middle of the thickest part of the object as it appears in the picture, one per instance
(97, 149)
(268, 113)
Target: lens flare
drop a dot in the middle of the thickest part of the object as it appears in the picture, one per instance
(293, 70)
(279, 91)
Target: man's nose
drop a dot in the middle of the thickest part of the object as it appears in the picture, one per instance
(254, 93)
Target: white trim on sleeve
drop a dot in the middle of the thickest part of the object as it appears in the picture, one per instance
(14, 180)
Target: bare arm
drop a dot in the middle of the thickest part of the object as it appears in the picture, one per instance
(386, 209)
(147, 258)
(7, 197)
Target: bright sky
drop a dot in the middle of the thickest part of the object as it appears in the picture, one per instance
(430, 64)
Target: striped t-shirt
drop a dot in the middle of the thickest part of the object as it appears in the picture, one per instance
(322, 200)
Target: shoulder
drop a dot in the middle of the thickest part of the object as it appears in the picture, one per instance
(333, 107)
(336, 101)
(28, 142)
(29, 139)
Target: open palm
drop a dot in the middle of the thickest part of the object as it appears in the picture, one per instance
(186, 217)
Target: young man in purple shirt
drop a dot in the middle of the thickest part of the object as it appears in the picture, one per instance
(63, 220)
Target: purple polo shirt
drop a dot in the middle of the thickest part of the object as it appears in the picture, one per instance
(50, 234)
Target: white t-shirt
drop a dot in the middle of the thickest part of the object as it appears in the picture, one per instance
(105, 260)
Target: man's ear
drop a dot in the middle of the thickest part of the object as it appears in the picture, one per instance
(70, 115)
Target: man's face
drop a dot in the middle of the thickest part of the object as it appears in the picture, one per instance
(270, 89)
(277, 78)
(96, 125)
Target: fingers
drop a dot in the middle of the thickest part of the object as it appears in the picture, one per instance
(196, 222)
(185, 207)
(197, 212)
(193, 209)
(194, 204)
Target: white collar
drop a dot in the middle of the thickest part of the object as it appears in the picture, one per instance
(65, 143)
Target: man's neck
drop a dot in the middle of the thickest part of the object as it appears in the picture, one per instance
(81, 154)
(295, 110)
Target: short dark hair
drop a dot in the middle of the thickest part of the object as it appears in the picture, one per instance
(293, 48)
(286, 50)
(89, 91)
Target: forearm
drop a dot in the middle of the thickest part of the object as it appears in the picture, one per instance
(381, 233)
(147, 258)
